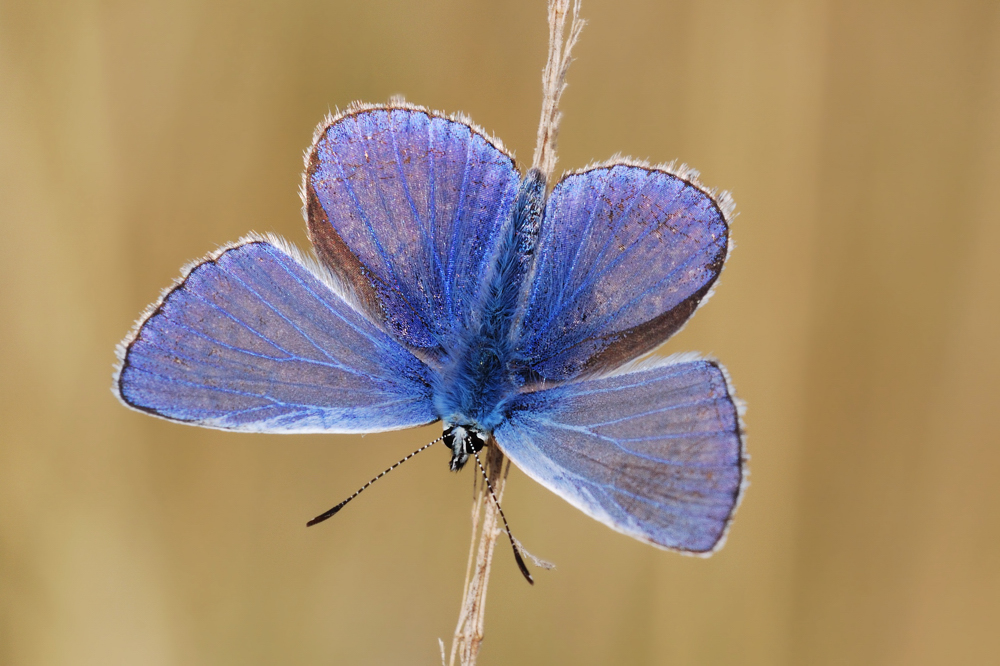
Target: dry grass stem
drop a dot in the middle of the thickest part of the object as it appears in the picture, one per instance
(486, 526)
(471, 619)
(561, 43)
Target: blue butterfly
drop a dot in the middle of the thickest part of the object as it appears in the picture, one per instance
(448, 287)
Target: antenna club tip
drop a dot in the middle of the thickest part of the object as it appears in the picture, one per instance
(523, 567)
(323, 516)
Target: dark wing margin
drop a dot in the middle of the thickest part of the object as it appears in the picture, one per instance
(627, 253)
(256, 338)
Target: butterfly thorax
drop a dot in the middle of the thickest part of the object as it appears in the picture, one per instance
(480, 376)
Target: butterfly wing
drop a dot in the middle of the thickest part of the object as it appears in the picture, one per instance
(626, 255)
(405, 206)
(656, 454)
(256, 339)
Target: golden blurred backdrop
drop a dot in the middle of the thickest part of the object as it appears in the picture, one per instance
(858, 316)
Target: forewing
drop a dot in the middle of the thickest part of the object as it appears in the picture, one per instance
(656, 454)
(253, 339)
(626, 255)
(405, 207)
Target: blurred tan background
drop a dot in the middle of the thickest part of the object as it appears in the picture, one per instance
(859, 317)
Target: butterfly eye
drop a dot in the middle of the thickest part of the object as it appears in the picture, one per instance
(477, 440)
(451, 434)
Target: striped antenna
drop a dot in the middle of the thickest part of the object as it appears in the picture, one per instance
(332, 512)
(513, 544)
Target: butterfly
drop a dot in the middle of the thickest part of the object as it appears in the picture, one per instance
(447, 287)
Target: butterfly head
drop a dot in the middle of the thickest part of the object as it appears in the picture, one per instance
(464, 441)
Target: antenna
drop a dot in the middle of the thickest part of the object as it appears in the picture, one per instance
(332, 512)
(517, 553)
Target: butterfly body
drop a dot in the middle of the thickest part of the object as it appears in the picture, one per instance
(484, 374)
(449, 287)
